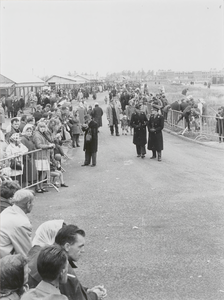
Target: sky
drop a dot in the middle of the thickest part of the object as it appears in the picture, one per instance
(56, 37)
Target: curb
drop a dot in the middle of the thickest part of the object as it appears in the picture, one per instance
(194, 141)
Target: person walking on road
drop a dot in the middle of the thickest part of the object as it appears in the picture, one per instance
(155, 127)
(139, 123)
(113, 117)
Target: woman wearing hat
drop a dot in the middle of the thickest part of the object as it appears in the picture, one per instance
(42, 161)
(139, 122)
(16, 149)
(155, 127)
(30, 174)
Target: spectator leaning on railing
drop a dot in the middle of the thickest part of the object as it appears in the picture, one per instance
(16, 148)
(42, 161)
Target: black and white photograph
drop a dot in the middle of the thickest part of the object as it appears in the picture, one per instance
(112, 149)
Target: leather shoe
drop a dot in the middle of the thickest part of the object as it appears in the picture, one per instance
(84, 165)
(64, 185)
(93, 165)
(152, 157)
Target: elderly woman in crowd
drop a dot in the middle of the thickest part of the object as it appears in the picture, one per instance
(14, 277)
(42, 161)
(16, 149)
(30, 173)
(8, 189)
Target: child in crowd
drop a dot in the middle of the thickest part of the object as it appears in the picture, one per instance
(124, 124)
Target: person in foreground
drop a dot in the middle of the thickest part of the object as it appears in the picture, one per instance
(72, 239)
(14, 277)
(16, 229)
(52, 265)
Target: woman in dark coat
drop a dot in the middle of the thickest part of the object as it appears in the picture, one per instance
(90, 147)
(139, 123)
(30, 171)
(155, 127)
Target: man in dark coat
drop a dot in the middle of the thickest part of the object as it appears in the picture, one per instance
(90, 144)
(155, 127)
(139, 123)
(97, 115)
(72, 239)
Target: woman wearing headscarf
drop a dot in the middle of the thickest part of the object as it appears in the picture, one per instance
(16, 149)
(42, 161)
(44, 236)
(30, 173)
(14, 277)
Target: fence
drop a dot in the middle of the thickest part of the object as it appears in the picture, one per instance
(203, 127)
(29, 169)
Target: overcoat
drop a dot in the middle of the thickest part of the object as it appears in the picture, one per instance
(110, 114)
(91, 146)
(97, 115)
(139, 123)
(155, 139)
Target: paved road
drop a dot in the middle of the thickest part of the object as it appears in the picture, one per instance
(154, 229)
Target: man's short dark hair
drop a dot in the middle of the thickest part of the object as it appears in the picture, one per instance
(68, 234)
(51, 261)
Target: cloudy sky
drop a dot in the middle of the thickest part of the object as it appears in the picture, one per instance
(55, 37)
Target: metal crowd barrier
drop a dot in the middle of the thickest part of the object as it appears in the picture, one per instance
(205, 127)
(23, 169)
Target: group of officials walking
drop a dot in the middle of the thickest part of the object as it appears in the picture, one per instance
(155, 126)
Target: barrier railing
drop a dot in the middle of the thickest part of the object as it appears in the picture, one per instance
(25, 169)
(205, 127)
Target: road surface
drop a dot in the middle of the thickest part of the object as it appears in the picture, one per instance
(154, 230)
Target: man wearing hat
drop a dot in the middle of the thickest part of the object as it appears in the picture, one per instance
(155, 127)
(139, 122)
(90, 141)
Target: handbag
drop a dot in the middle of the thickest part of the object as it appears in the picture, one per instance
(89, 136)
(15, 164)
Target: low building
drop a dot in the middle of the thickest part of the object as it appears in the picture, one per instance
(19, 85)
(61, 81)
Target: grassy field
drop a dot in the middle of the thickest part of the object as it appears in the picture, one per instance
(214, 96)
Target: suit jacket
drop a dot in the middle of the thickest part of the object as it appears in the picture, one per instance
(44, 291)
(15, 233)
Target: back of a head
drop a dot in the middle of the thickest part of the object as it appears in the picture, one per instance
(51, 261)
(12, 273)
(21, 197)
(68, 234)
(8, 188)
